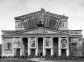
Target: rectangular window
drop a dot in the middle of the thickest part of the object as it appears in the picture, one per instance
(8, 46)
(62, 24)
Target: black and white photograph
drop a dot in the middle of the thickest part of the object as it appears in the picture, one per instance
(41, 30)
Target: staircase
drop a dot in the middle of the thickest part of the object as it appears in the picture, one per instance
(37, 59)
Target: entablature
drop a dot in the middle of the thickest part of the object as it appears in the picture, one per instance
(73, 32)
(42, 32)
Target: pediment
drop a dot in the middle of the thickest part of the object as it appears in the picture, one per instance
(41, 31)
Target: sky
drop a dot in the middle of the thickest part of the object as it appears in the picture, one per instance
(9, 9)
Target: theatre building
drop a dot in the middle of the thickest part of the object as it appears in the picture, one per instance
(41, 33)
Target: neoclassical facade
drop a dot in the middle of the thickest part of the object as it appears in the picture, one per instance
(41, 33)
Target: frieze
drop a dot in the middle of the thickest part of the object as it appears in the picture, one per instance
(75, 32)
(72, 40)
(40, 31)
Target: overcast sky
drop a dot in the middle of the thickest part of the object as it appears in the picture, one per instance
(9, 9)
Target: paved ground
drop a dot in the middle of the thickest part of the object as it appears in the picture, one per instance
(60, 61)
(43, 60)
(33, 60)
(15, 60)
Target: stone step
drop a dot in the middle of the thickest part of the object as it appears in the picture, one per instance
(37, 59)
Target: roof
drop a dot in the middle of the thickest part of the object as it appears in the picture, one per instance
(39, 12)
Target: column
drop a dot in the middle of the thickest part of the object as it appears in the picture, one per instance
(29, 50)
(21, 49)
(59, 49)
(52, 50)
(36, 44)
(3, 46)
(44, 51)
(67, 52)
(14, 47)
(14, 52)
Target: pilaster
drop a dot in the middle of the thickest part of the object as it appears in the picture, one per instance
(3, 46)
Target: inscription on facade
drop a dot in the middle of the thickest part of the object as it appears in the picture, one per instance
(40, 31)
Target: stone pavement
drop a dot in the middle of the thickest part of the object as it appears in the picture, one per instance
(43, 60)
(38, 59)
(60, 61)
(34, 60)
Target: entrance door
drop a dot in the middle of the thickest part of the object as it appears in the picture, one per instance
(32, 52)
(40, 46)
(40, 54)
(55, 46)
(40, 43)
(48, 52)
(63, 52)
(17, 52)
(25, 44)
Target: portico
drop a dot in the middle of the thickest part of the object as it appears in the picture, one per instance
(43, 46)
